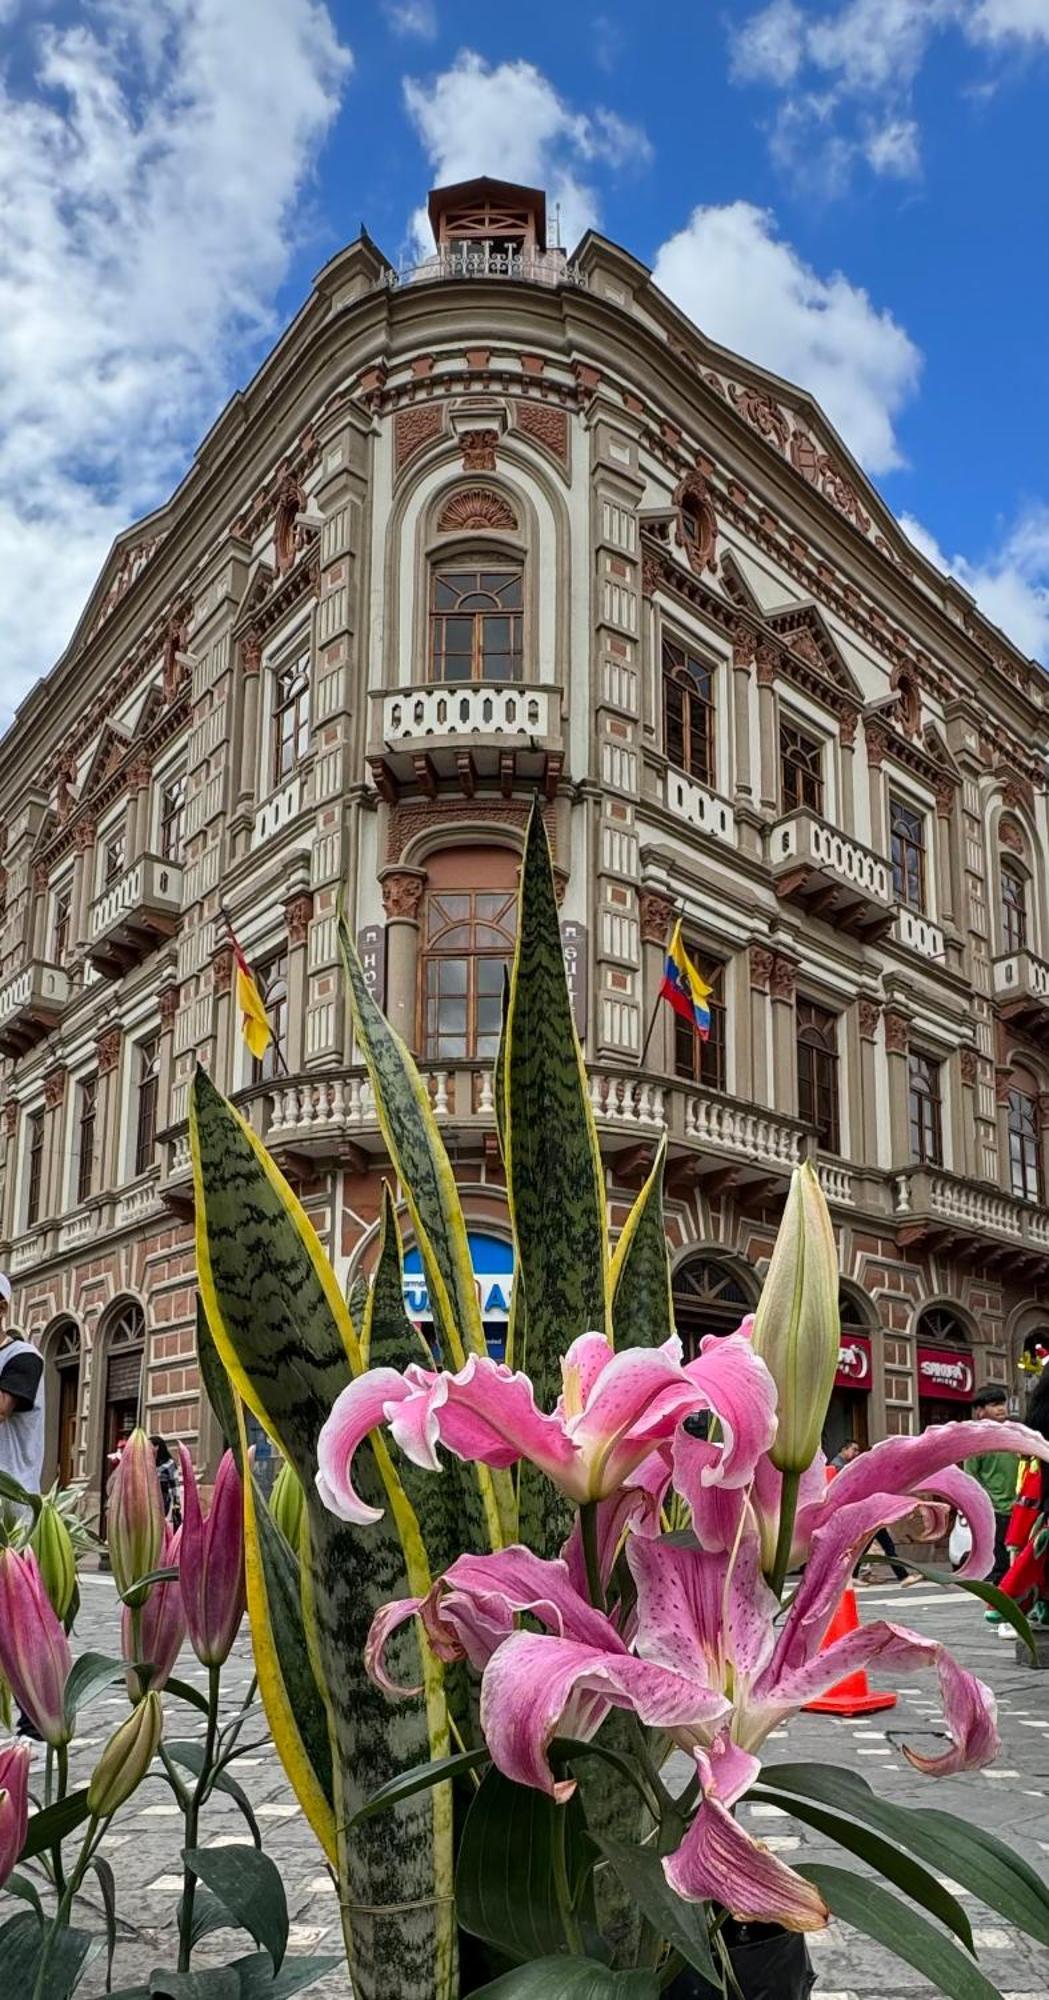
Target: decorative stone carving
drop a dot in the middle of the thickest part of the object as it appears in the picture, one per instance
(651, 573)
(402, 892)
(1043, 1107)
(290, 501)
(847, 728)
(297, 913)
(821, 472)
(870, 1015)
(768, 662)
(1003, 1083)
(477, 507)
(54, 1088)
(40, 878)
(107, 1048)
(697, 524)
(173, 672)
(168, 1004)
(222, 969)
(877, 743)
(588, 380)
(758, 411)
(65, 779)
(407, 821)
(1017, 792)
(139, 774)
(251, 653)
(479, 448)
(656, 914)
(547, 425)
(969, 1062)
(897, 1032)
(945, 798)
(783, 980)
(11, 1117)
(1010, 835)
(744, 646)
(761, 963)
(84, 835)
(414, 428)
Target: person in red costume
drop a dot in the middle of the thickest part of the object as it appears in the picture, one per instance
(1027, 1578)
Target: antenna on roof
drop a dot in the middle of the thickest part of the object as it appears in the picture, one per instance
(557, 225)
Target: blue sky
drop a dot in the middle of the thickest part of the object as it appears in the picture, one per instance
(851, 191)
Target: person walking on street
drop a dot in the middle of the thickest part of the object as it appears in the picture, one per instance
(883, 1538)
(21, 1416)
(995, 1471)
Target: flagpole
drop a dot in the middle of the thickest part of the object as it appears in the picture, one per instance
(648, 1035)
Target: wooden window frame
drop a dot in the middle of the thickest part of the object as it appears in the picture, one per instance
(34, 1166)
(694, 1061)
(114, 856)
(682, 668)
(87, 1115)
(819, 1073)
(442, 570)
(292, 722)
(905, 843)
(1026, 1164)
(147, 1057)
(273, 979)
(171, 828)
(925, 1108)
(1015, 915)
(801, 785)
(61, 920)
(431, 954)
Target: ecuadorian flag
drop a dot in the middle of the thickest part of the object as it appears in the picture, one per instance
(687, 993)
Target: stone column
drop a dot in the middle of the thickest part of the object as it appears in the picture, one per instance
(1003, 1083)
(402, 891)
(38, 938)
(947, 874)
(964, 1128)
(297, 913)
(83, 880)
(847, 739)
(108, 1162)
(743, 651)
(227, 1076)
(251, 670)
(656, 913)
(760, 963)
(767, 662)
(10, 1179)
(168, 1005)
(782, 983)
(868, 1013)
(877, 744)
(52, 1192)
(139, 779)
(897, 1048)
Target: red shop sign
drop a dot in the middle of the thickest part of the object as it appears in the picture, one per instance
(945, 1373)
(854, 1363)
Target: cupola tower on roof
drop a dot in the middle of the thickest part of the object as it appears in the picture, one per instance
(496, 218)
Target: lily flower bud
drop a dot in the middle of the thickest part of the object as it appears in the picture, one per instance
(287, 1504)
(52, 1545)
(14, 1804)
(34, 1651)
(797, 1327)
(126, 1758)
(135, 1518)
(162, 1624)
(211, 1561)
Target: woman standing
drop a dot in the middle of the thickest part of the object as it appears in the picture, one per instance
(1027, 1578)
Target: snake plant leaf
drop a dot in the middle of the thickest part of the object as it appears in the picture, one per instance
(218, 1388)
(642, 1307)
(423, 1168)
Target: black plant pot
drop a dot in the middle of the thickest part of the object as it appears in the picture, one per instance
(769, 1964)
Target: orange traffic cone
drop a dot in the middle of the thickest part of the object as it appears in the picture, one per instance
(853, 1695)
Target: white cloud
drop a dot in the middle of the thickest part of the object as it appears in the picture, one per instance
(749, 290)
(158, 154)
(416, 18)
(507, 119)
(770, 47)
(1010, 20)
(893, 148)
(1010, 584)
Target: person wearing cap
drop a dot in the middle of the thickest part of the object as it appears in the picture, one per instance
(21, 1402)
(995, 1471)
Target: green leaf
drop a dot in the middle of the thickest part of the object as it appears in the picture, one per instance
(966, 1853)
(107, 1885)
(256, 1982)
(167, 1575)
(191, 1756)
(683, 1925)
(420, 1779)
(18, 1495)
(48, 1827)
(208, 1915)
(88, 1677)
(870, 1908)
(185, 1691)
(250, 1885)
(504, 1883)
(246, 1979)
(22, 1944)
(881, 1855)
(570, 1979)
(27, 1892)
(217, 1386)
(642, 1306)
(988, 1593)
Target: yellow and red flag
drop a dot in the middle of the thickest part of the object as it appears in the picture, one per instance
(254, 1020)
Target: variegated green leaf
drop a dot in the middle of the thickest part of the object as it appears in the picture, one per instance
(642, 1305)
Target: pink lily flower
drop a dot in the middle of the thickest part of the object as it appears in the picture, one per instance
(135, 1517)
(211, 1561)
(34, 1651)
(716, 1851)
(14, 1804)
(614, 1410)
(162, 1625)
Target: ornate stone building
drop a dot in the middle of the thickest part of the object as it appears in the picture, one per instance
(502, 523)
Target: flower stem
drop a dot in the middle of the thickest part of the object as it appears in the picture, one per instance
(788, 1508)
(561, 1884)
(62, 1914)
(191, 1820)
(62, 1768)
(591, 1553)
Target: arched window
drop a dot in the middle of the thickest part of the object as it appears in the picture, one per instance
(272, 982)
(1014, 905)
(1025, 1137)
(854, 1310)
(122, 1340)
(710, 1296)
(688, 711)
(476, 623)
(944, 1325)
(817, 1041)
(469, 928)
(63, 1354)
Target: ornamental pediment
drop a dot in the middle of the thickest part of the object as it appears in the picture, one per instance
(109, 753)
(804, 631)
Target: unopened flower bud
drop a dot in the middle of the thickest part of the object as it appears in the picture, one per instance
(135, 1518)
(52, 1544)
(126, 1758)
(797, 1326)
(14, 1804)
(287, 1504)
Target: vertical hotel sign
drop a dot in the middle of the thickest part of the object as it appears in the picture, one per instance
(371, 950)
(573, 946)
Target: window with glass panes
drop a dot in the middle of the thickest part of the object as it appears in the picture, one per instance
(468, 941)
(63, 904)
(476, 625)
(1025, 1138)
(172, 818)
(114, 857)
(1014, 906)
(147, 1059)
(695, 1060)
(291, 717)
(688, 712)
(817, 1031)
(800, 767)
(34, 1167)
(907, 848)
(925, 1109)
(272, 982)
(85, 1164)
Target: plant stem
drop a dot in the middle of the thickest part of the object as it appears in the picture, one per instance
(61, 1917)
(591, 1553)
(191, 1820)
(788, 1508)
(561, 1884)
(62, 1767)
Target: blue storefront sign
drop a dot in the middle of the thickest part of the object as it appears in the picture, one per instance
(493, 1268)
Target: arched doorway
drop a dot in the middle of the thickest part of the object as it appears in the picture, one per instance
(946, 1376)
(711, 1295)
(62, 1352)
(122, 1344)
(847, 1420)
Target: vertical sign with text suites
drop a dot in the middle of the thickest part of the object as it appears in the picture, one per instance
(574, 947)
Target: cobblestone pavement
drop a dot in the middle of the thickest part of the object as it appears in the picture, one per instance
(1012, 1799)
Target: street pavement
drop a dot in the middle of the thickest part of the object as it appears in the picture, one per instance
(1012, 1799)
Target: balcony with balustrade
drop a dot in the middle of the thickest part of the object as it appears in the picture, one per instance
(134, 914)
(947, 1214)
(1021, 992)
(32, 1003)
(423, 738)
(834, 876)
